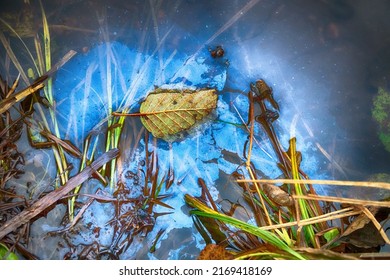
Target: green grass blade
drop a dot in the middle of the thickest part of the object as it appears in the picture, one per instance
(303, 204)
(265, 235)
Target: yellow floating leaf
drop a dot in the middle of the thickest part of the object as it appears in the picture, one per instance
(168, 112)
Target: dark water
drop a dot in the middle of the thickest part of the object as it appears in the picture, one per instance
(324, 59)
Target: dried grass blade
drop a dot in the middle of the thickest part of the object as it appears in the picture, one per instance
(381, 185)
(13, 88)
(66, 145)
(38, 49)
(159, 202)
(12, 55)
(56, 195)
(10, 101)
(46, 38)
(344, 200)
(61, 63)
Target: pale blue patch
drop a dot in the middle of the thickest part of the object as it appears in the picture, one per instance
(230, 138)
(200, 243)
(84, 97)
(227, 166)
(97, 215)
(113, 77)
(252, 221)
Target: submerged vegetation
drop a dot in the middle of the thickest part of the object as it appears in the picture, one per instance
(287, 221)
(381, 115)
(281, 218)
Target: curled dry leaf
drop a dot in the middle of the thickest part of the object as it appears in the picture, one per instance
(277, 195)
(168, 112)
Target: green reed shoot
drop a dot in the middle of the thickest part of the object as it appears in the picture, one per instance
(267, 236)
(303, 204)
(42, 64)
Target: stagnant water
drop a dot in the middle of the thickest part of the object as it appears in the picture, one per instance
(325, 61)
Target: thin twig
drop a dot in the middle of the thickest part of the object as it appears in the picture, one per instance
(343, 200)
(381, 185)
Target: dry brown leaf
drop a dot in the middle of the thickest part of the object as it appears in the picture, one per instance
(168, 112)
(359, 222)
(215, 252)
(277, 195)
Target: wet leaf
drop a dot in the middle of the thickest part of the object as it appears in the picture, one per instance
(362, 232)
(277, 195)
(367, 237)
(167, 112)
(359, 222)
(215, 252)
